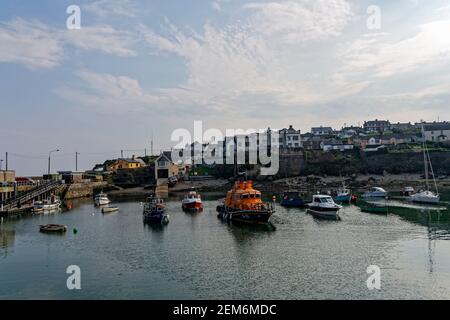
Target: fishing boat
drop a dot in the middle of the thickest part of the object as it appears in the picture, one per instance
(192, 202)
(427, 196)
(50, 204)
(323, 206)
(375, 192)
(110, 209)
(155, 211)
(344, 195)
(53, 228)
(292, 199)
(101, 199)
(243, 204)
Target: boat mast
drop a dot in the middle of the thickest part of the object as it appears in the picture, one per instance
(425, 158)
(432, 171)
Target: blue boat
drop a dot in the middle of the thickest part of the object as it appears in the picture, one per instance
(344, 195)
(292, 200)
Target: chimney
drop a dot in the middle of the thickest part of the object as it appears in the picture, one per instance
(133, 157)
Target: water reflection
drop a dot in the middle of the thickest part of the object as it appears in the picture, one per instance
(7, 237)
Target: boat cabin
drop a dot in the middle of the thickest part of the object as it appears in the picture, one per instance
(243, 196)
(323, 199)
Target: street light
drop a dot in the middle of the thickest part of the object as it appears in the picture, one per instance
(49, 159)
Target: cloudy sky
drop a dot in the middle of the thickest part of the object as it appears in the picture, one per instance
(137, 68)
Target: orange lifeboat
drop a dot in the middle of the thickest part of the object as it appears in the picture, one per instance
(243, 203)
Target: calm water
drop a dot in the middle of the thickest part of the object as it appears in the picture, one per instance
(200, 257)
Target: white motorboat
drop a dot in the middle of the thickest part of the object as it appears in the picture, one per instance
(375, 192)
(50, 204)
(323, 206)
(101, 199)
(427, 196)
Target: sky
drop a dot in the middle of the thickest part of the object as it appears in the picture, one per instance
(137, 69)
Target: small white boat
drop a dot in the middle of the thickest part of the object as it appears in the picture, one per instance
(110, 209)
(50, 204)
(375, 192)
(323, 206)
(101, 199)
(427, 196)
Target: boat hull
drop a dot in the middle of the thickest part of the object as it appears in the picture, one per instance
(294, 203)
(425, 200)
(325, 214)
(192, 206)
(244, 216)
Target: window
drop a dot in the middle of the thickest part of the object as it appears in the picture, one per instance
(295, 138)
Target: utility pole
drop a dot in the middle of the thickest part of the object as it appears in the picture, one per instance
(76, 161)
(6, 161)
(151, 145)
(121, 154)
(145, 152)
(49, 160)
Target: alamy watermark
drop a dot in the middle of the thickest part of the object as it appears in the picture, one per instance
(374, 280)
(235, 147)
(74, 280)
(73, 22)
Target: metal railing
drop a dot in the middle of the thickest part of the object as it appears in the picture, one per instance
(31, 194)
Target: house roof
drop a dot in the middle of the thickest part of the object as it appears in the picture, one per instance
(167, 155)
(290, 130)
(437, 126)
(322, 128)
(130, 160)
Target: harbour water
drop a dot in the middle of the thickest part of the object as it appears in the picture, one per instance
(197, 256)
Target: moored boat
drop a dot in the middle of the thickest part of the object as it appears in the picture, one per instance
(243, 204)
(345, 195)
(155, 211)
(50, 204)
(292, 199)
(323, 206)
(192, 202)
(427, 196)
(101, 199)
(53, 228)
(375, 192)
(110, 209)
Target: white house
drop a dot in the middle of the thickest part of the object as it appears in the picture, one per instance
(321, 131)
(437, 132)
(290, 138)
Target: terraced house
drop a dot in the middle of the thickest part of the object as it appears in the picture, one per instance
(437, 131)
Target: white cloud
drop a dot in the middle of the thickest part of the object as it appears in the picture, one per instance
(105, 39)
(379, 57)
(108, 8)
(30, 43)
(38, 46)
(108, 93)
(300, 21)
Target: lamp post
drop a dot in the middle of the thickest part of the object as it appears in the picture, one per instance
(49, 160)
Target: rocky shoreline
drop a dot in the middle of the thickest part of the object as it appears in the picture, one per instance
(309, 184)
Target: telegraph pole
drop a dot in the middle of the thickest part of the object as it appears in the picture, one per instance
(6, 161)
(76, 161)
